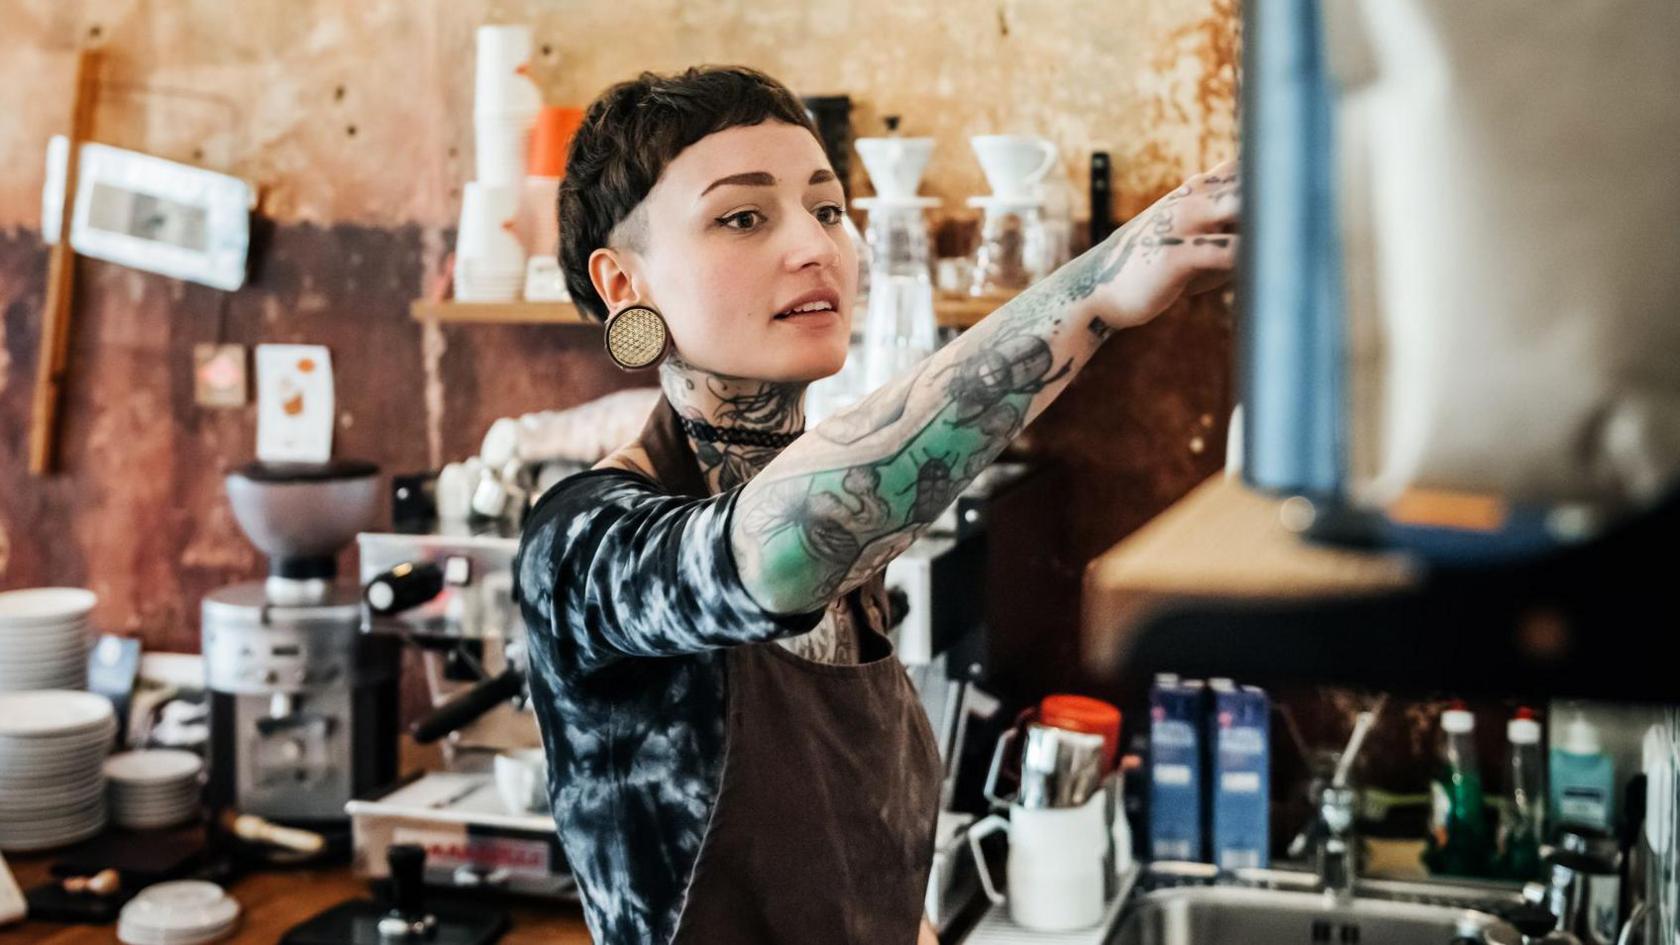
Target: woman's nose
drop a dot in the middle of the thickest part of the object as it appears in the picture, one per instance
(812, 244)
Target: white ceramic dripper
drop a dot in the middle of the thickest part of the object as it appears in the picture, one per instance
(1014, 165)
(895, 165)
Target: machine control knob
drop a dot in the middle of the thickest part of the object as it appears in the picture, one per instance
(403, 587)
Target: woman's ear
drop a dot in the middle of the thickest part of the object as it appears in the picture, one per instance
(609, 271)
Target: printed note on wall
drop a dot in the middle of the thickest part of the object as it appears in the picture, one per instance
(294, 403)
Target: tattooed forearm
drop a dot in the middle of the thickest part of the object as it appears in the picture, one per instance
(845, 499)
(878, 413)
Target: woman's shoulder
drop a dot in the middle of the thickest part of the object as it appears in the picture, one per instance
(572, 519)
(602, 489)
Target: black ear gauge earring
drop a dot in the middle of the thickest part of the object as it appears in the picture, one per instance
(637, 338)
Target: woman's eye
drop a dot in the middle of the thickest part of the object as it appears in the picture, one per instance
(739, 221)
(830, 215)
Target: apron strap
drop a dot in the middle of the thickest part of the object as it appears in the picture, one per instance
(667, 449)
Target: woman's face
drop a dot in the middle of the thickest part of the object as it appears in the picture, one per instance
(742, 227)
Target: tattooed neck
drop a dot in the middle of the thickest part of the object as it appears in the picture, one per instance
(731, 403)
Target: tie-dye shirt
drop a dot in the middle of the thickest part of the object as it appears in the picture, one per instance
(630, 596)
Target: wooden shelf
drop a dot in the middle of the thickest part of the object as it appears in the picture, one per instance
(958, 312)
(1225, 540)
(1222, 542)
(498, 313)
(962, 311)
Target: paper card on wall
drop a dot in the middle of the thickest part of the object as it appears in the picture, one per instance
(294, 404)
(219, 375)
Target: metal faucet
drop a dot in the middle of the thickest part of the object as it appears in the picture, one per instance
(1334, 846)
(1336, 854)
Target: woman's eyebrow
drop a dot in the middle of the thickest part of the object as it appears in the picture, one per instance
(764, 179)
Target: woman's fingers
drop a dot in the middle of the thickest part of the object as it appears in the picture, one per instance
(1217, 203)
(1208, 251)
(1206, 260)
(1210, 213)
(1225, 169)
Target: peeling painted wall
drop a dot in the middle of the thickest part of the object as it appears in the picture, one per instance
(355, 122)
(362, 113)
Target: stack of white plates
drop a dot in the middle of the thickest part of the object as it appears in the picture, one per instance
(44, 638)
(186, 912)
(52, 749)
(151, 789)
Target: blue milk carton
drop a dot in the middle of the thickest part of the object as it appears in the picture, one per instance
(1177, 826)
(1239, 734)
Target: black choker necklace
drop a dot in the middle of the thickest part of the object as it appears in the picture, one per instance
(737, 436)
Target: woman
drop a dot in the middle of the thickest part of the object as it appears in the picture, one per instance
(734, 758)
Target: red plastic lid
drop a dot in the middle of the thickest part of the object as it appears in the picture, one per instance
(1083, 714)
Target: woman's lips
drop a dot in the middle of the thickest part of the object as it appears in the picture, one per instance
(813, 320)
(816, 319)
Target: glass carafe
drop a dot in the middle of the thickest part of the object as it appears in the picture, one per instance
(1014, 250)
(838, 391)
(900, 329)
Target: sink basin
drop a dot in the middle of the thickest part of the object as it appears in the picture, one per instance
(1212, 915)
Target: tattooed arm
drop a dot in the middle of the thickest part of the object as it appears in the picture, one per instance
(852, 494)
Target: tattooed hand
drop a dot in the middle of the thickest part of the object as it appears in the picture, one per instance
(1185, 244)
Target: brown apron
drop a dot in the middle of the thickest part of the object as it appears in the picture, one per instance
(822, 831)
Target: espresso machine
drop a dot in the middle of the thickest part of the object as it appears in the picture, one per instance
(481, 814)
(303, 706)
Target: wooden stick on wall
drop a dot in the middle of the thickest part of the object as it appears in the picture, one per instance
(53, 358)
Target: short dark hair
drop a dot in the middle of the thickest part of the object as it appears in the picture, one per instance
(628, 136)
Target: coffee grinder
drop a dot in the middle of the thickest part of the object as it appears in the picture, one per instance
(303, 705)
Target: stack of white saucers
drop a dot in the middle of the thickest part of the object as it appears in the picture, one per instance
(52, 749)
(185, 912)
(152, 789)
(44, 638)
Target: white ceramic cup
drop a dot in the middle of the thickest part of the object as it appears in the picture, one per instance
(1014, 164)
(895, 165)
(1058, 863)
(522, 780)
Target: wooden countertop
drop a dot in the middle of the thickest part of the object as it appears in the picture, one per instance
(274, 902)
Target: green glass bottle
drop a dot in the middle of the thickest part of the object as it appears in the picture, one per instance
(1460, 843)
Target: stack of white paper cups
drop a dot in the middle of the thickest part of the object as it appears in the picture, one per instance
(490, 260)
(505, 103)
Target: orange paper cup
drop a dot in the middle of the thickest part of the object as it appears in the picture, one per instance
(551, 138)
